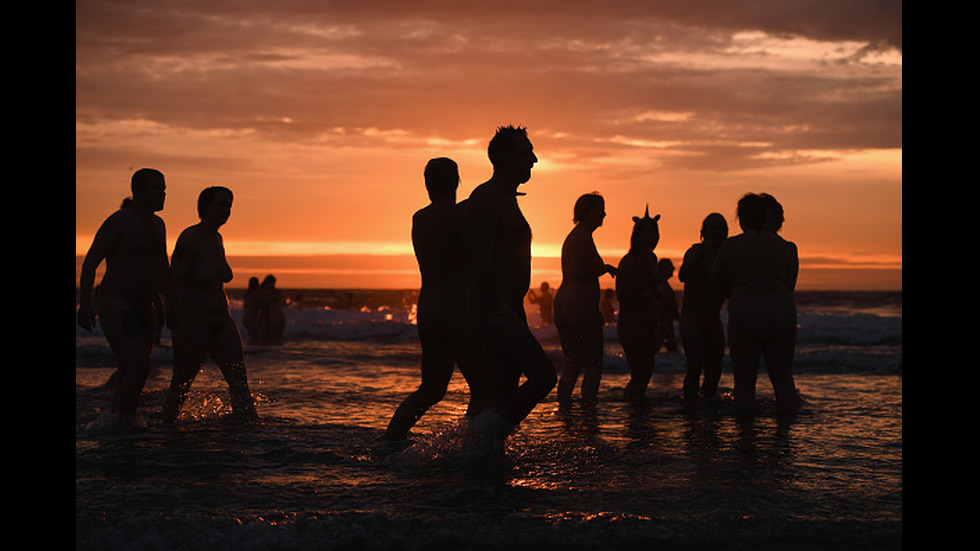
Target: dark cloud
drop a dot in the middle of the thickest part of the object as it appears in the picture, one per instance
(294, 70)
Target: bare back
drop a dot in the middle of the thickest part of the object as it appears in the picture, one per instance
(640, 294)
(134, 247)
(442, 264)
(755, 263)
(701, 294)
(437, 244)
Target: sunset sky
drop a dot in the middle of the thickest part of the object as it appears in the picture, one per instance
(321, 115)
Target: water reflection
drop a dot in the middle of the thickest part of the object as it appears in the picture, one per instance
(841, 459)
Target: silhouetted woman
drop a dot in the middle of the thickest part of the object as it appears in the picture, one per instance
(576, 306)
(640, 290)
(701, 329)
(757, 272)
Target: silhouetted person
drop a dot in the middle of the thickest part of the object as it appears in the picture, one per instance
(701, 328)
(497, 238)
(545, 302)
(444, 334)
(640, 290)
(272, 314)
(158, 309)
(577, 314)
(774, 223)
(671, 311)
(252, 310)
(202, 324)
(133, 243)
(757, 274)
(607, 308)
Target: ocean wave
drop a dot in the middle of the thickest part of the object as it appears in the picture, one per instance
(827, 340)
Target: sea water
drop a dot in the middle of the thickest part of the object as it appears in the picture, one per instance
(311, 474)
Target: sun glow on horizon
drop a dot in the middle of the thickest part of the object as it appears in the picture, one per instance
(320, 120)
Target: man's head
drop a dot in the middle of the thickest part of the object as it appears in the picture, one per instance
(149, 188)
(441, 177)
(216, 201)
(512, 154)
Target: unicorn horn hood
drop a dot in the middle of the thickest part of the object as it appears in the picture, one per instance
(646, 216)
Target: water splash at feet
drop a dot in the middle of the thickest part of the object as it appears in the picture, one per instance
(110, 423)
(478, 440)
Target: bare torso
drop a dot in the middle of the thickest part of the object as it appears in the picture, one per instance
(578, 297)
(499, 241)
(200, 271)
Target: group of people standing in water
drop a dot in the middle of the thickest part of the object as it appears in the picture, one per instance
(263, 311)
(755, 271)
(479, 248)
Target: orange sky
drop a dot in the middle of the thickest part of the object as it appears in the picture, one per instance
(321, 116)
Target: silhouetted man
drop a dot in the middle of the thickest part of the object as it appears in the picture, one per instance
(446, 338)
(133, 243)
(201, 323)
(497, 238)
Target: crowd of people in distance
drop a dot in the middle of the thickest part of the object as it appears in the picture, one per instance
(263, 311)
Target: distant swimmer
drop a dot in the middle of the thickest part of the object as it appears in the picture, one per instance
(446, 338)
(201, 324)
(545, 301)
(757, 272)
(133, 243)
(272, 313)
(577, 315)
(497, 239)
(251, 310)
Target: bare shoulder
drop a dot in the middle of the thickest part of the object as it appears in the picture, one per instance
(422, 215)
(159, 223)
(187, 238)
(190, 233)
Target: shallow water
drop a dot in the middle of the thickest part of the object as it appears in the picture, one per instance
(310, 475)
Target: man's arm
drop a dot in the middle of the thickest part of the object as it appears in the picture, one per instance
(166, 281)
(105, 241)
